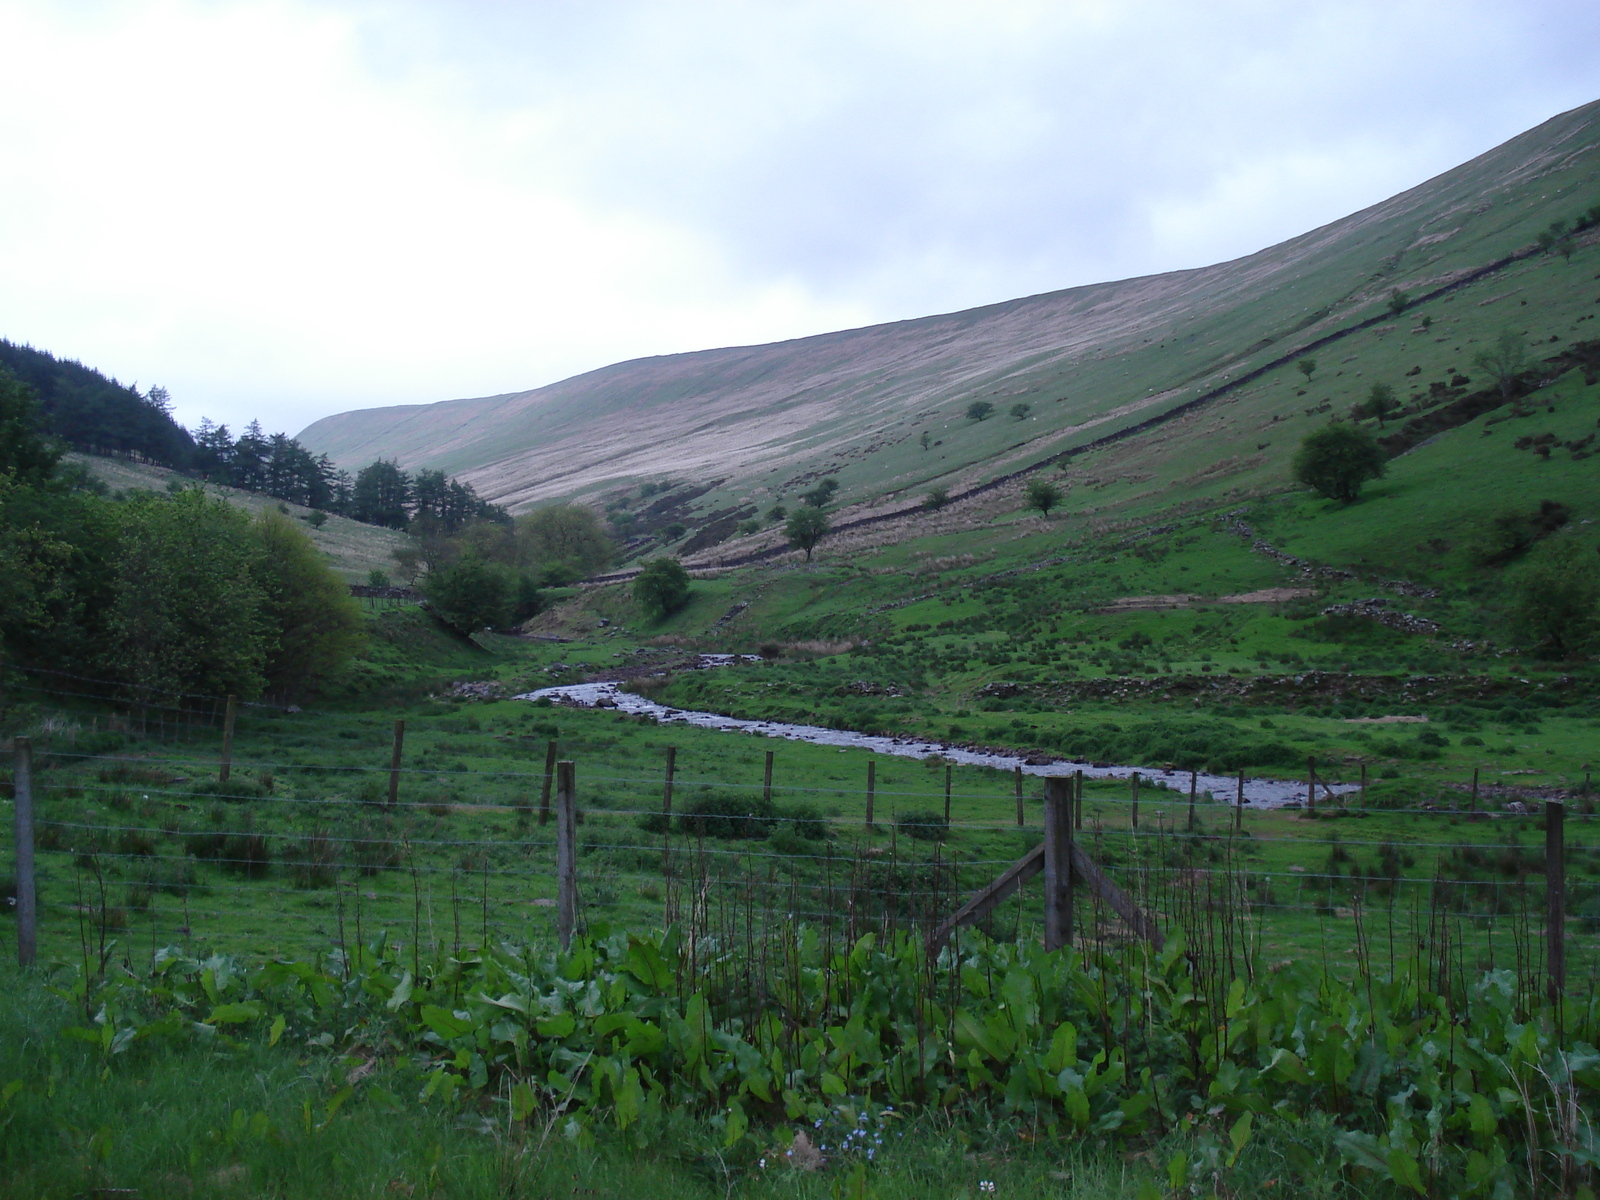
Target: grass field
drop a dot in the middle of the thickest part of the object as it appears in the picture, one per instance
(300, 850)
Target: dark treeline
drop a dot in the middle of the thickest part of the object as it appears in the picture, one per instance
(96, 415)
(379, 494)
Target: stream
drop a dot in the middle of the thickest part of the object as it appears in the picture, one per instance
(1258, 793)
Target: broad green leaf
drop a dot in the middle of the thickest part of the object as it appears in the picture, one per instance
(737, 1124)
(645, 964)
(1178, 1170)
(276, 1031)
(444, 1022)
(234, 1014)
(559, 1026)
(524, 1102)
(401, 993)
(1063, 1048)
(1362, 1150)
(1239, 1136)
(1405, 1170)
(1235, 998)
(1479, 1115)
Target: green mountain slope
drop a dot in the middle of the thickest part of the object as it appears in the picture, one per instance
(753, 424)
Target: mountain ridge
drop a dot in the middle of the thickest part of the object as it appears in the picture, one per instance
(762, 419)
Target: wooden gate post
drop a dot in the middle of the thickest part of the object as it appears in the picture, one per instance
(1311, 785)
(566, 852)
(948, 771)
(27, 908)
(1057, 862)
(1194, 777)
(1077, 800)
(1238, 807)
(549, 778)
(1135, 824)
(394, 762)
(1474, 787)
(1555, 884)
(872, 787)
(1017, 780)
(766, 782)
(226, 766)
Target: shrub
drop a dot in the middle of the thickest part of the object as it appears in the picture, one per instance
(246, 854)
(312, 860)
(471, 594)
(654, 823)
(808, 822)
(236, 788)
(662, 588)
(725, 815)
(924, 826)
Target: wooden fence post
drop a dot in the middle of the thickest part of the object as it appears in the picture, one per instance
(566, 852)
(1555, 884)
(872, 787)
(1194, 776)
(1077, 800)
(1057, 862)
(766, 782)
(1363, 785)
(226, 766)
(1017, 780)
(1135, 824)
(549, 778)
(1238, 807)
(1311, 785)
(27, 908)
(394, 762)
(948, 771)
(1474, 787)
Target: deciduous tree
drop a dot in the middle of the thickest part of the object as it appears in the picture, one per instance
(314, 626)
(806, 528)
(1337, 459)
(1042, 495)
(1557, 596)
(662, 588)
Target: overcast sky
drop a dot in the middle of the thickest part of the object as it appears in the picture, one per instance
(289, 209)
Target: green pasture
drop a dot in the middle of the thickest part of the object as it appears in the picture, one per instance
(141, 846)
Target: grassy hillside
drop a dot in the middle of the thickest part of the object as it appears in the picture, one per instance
(353, 547)
(739, 428)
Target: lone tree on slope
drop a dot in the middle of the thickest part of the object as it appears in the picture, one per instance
(1380, 403)
(1504, 361)
(1337, 459)
(806, 528)
(1043, 496)
(662, 588)
(1306, 366)
(979, 410)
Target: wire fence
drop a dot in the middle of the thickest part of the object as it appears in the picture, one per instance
(141, 832)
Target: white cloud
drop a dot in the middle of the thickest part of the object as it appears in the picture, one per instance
(289, 208)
